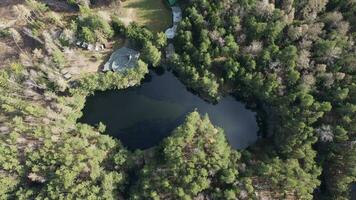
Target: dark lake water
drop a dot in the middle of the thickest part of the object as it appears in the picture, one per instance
(140, 117)
(353, 191)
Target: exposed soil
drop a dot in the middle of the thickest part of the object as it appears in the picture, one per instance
(7, 53)
(7, 13)
(82, 62)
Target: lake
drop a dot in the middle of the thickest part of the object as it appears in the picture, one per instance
(140, 117)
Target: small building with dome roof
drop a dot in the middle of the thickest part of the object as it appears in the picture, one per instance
(122, 59)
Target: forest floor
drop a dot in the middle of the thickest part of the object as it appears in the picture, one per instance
(10, 17)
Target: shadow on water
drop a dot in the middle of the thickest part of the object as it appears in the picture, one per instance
(142, 116)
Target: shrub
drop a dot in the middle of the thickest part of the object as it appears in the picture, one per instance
(91, 27)
(118, 26)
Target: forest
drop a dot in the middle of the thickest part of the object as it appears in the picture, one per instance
(294, 60)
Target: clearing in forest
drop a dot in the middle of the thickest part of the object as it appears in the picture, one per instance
(154, 14)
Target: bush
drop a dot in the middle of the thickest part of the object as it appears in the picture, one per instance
(118, 26)
(151, 54)
(5, 33)
(91, 27)
(139, 35)
(58, 58)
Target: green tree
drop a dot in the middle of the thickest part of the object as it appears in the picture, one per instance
(160, 40)
(151, 54)
(197, 153)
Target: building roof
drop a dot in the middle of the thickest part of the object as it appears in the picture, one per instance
(171, 32)
(177, 17)
(122, 59)
(172, 2)
(170, 50)
(177, 14)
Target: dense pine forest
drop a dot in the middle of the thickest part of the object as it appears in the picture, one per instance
(292, 60)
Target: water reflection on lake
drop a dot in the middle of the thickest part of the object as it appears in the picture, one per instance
(142, 116)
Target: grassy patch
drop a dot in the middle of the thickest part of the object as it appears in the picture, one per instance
(154, 14)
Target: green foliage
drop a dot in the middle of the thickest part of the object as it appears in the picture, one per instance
(139, 35)
(192, 160)
(91, 28)
(75, 168)
(111, 80)
(58, 58)
(5, 33)
(147, 42)
(151, 55)
(293, 59)
(160, 40)
(285, 174)
(37, 6)
(283, 55)
(118, 26)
